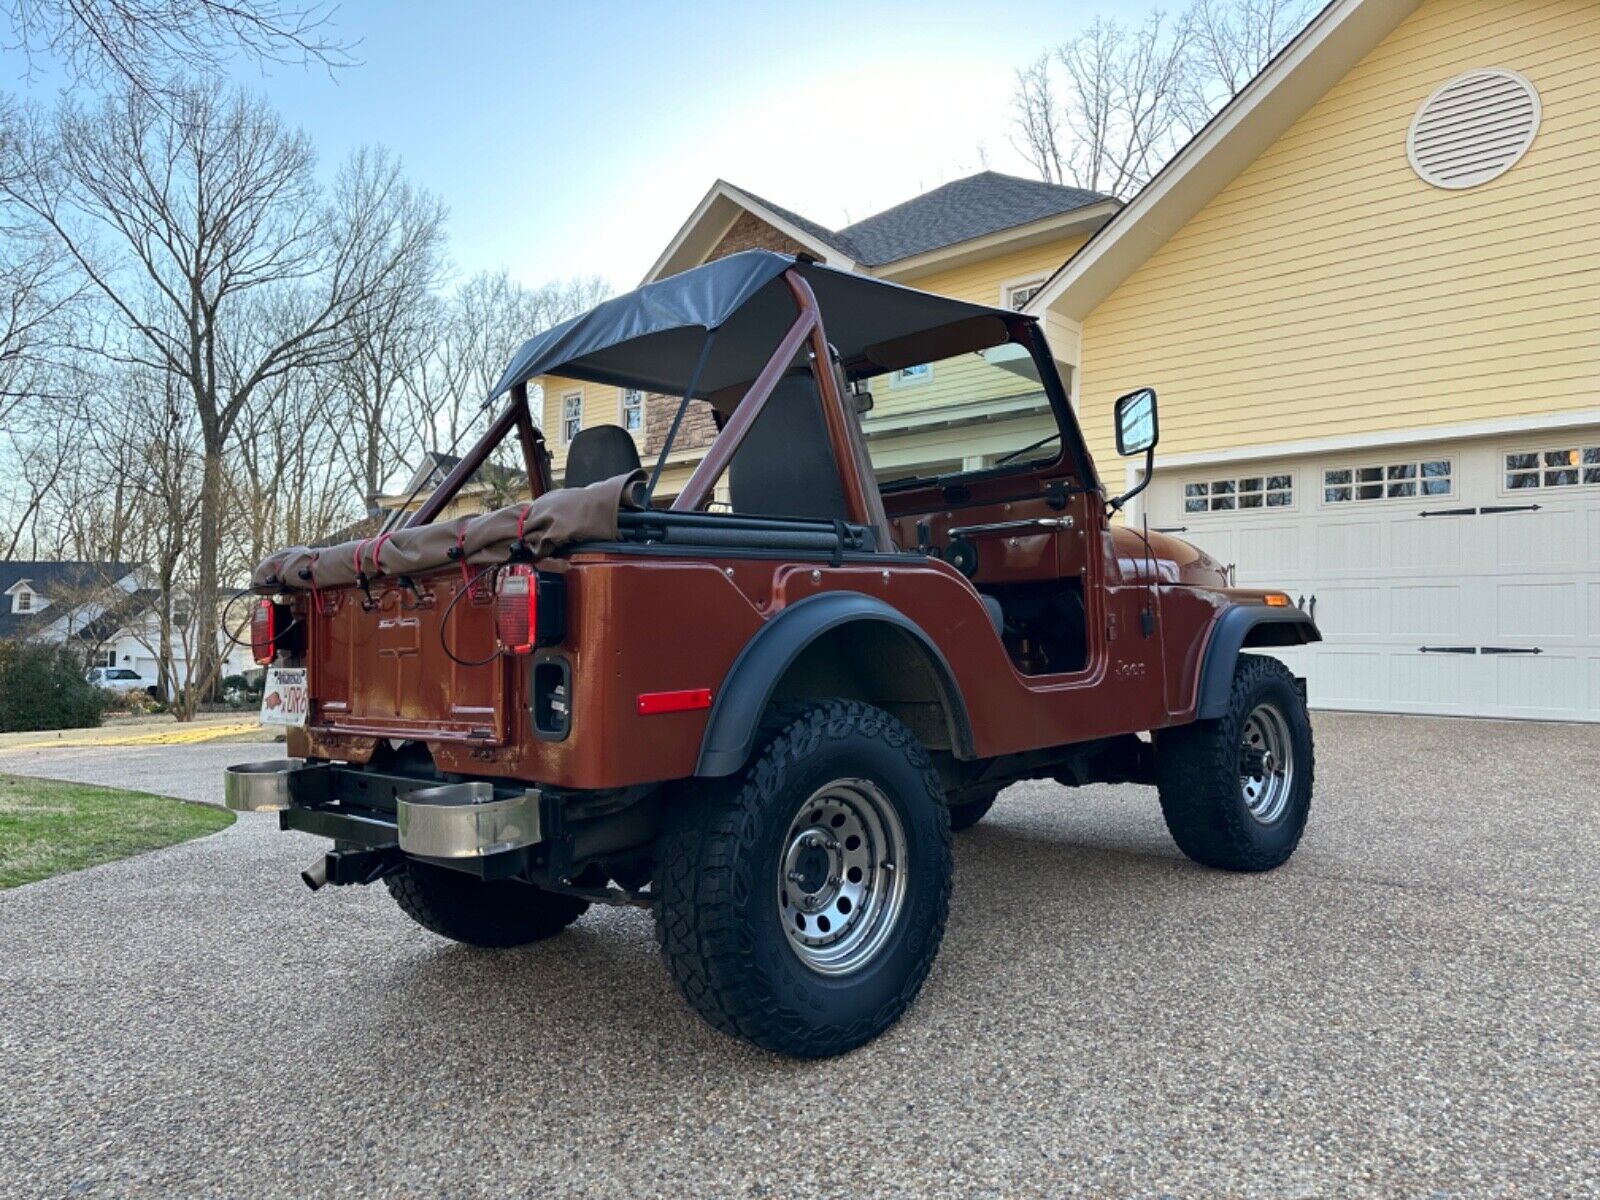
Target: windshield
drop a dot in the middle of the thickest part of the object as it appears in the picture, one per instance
(967, 413)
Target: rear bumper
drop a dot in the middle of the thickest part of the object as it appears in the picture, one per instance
(467, 825)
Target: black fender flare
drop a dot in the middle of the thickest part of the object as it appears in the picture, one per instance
(1242, 625)
(747, 690)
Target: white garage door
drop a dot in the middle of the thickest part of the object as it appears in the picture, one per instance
(1459, 578)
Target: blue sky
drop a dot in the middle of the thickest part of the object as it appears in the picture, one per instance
(576, 137)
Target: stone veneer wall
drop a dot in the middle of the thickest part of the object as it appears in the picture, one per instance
(699, 428)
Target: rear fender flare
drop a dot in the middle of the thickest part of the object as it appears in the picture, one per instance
(1239, 627)
(748, 689)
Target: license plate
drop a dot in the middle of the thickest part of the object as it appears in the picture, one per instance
(283, 700)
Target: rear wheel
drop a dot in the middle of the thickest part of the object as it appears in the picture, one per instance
(479, 912)
(1236, 791)
(800, 904)
(967, 813)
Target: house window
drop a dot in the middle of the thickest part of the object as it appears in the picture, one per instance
(1388, 481)
(632, 409)
(1573, 466)
(1242, 491)
(22, 602)
(571, 415)
(106, 658)
(914, 374)
(1018, 294)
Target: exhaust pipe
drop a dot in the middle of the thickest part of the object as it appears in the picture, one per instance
(315, 876)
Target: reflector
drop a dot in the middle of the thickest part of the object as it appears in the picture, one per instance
(686, 700)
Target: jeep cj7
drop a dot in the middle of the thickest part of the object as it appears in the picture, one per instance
(759, 708)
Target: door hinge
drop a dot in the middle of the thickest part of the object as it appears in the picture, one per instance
(1511, 650)
(1494, 510)
(1447, 649)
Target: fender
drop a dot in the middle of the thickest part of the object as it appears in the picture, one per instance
(748, 688)
(1239, 626)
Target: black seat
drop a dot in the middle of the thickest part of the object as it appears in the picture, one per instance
(784, 466)
(600, 452)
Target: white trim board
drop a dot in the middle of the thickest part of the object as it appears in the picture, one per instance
(1512, 426)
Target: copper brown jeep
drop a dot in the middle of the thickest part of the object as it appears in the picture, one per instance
(759, 709)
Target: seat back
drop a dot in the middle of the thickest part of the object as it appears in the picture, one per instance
(600, 452)
(784, 467)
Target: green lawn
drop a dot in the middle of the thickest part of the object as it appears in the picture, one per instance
(47, 827)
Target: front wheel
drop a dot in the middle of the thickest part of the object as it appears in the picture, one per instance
(800, 904)
(1236, 791)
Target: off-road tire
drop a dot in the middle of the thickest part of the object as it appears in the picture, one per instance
(967, 813)
(479, 912)
(716, 886)
(1198, 776)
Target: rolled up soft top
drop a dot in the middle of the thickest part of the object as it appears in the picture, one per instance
(541, 527)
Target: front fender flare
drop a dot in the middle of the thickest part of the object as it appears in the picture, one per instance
(1239, 626)
(747, 690)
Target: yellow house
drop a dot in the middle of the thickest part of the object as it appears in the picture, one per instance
(1368, 295)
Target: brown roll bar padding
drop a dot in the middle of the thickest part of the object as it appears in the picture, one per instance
(544, 525)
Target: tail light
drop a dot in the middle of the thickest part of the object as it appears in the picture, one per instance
(529, 610)
(264, 626)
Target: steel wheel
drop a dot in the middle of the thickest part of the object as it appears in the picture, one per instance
(1266, 763)
(841, 878)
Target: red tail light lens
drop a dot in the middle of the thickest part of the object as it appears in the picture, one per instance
(264, 632)
(516, 610)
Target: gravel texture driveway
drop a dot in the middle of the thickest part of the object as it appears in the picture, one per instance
(1411, 1006)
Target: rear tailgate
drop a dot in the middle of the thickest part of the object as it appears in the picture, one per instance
(381, 667)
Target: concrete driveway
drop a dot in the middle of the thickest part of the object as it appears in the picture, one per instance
(1411, 1006)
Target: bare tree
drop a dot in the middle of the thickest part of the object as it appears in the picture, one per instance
(1036, 120)
(142, 43)
(1234, 39)
(389, 337)
(1111, 104)
(485, 320)
(200, 226)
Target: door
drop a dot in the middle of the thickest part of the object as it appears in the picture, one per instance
(1458, 578)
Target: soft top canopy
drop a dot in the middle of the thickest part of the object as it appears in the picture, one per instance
(651, 337)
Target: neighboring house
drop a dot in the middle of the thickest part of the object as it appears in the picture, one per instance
(989, 238)
(106, 610)
(1368, 294)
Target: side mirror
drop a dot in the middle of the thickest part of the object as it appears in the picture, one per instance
(1137, 428)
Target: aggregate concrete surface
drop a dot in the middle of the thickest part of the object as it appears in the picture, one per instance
(1411, 1006)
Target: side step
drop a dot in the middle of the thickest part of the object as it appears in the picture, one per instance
(466, 820)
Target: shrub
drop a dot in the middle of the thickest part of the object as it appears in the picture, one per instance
(42, 687)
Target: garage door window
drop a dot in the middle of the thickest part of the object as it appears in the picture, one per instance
(1240, 492)
(1571, 467)
(1388, 481)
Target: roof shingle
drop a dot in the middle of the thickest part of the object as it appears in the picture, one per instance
(980, 204)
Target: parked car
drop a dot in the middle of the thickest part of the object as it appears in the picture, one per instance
(122, 679)
(762, 724)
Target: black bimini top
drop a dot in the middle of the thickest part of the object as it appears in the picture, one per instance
(651, 337)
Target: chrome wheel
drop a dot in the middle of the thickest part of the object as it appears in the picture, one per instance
(841, 877)
(1266, 763)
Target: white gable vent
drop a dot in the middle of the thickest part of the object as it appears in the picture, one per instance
(1473, 129)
